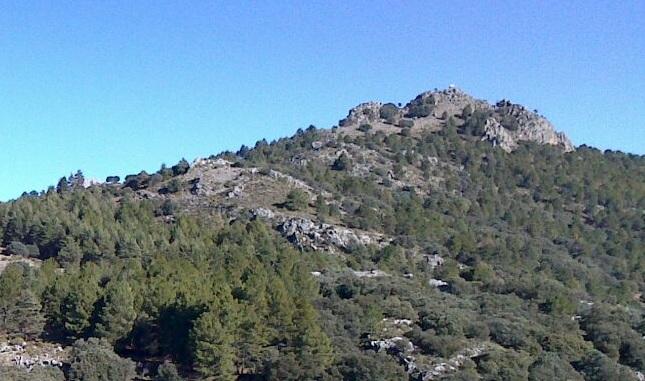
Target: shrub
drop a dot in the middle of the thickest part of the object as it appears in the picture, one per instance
(167, 372)
(94, 360)
(389, 112)
(180, 168)
(12, 373)
(174, 186)
(155, 179)
(466, 112)
(168, 208)
(418, 110)
(342, 163)
(297, 199)
(136, 182)
(18, 248)
(371, 366)
(365, 127)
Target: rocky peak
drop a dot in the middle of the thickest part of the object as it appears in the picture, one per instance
(507, 124)
(363, 113)
(452, 95)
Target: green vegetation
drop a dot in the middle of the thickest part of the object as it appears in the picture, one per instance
(365, 127)
(297, 199)
(542, 259)
(389, 112)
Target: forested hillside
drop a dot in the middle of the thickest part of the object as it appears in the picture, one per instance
(447, 239)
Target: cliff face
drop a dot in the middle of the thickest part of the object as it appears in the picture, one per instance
(506, 124)
(524, 125)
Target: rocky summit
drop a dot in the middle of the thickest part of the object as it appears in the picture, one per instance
(504, 123)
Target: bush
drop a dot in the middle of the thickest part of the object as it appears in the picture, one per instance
(371, 366)
(406, 123)
(549, 366)
(155, 179)
(342, 163)
(297, 199)
(18, 248)
(94, 360)
(12, 373)
(419, 110)
(365, 127)
(136, 182)
(389, 112)
(167, 372)
(507, 334)
(168, 208)
(597, 367)
(180, 168)
(466, 112)
(174, 186)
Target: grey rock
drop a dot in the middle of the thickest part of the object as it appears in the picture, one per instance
(433, 260)
(262, 213)
(530, 128)
(363, 113)
(307, 234)
(437, 283)
(369, 274)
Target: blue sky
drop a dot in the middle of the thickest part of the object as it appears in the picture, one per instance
(113, 87)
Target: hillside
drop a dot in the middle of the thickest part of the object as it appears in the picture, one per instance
(444, 239)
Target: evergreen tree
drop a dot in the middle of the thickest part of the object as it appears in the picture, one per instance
(26, 312)
(62, 186)
(213, 347)
(70, 255)
(117, 315)
(78, 305)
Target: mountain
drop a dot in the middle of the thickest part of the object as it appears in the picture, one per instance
(444, 239)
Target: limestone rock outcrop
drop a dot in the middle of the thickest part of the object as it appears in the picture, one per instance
(506, 126)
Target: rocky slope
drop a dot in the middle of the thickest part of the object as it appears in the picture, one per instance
(219, 185)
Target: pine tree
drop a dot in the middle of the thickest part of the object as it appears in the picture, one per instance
(11, 283)
(250, 341)
(70, 254)
(313, 346)
(213, 347)
(117, 315)
(27, 314)
(281, 312)
(78, 305)
(62, 186)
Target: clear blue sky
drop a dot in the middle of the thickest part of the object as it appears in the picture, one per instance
(113, 87)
